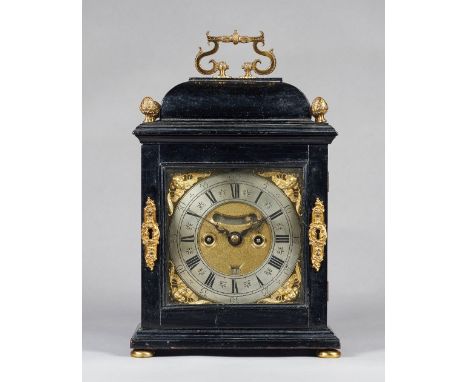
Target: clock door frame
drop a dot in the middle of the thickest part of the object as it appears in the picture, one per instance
(157, 158)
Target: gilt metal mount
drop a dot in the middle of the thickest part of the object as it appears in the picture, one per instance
(318, 109)
(221, 66)
(150, 233)
(288, 292)
(289, 183)
(181, 183)
(150, 109)
(317, 234)
(180, 292)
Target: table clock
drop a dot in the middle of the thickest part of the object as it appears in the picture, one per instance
(234, 184)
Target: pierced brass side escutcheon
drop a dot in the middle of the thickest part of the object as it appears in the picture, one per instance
(317, 234)
(150, 233)
(221, 67)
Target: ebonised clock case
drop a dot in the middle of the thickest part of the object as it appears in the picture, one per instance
(233, 124)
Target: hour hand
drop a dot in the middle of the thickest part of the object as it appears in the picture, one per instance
(255, 225)
(216, 225)
(218, 228)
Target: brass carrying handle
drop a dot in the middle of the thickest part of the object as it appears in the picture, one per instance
(221, 66)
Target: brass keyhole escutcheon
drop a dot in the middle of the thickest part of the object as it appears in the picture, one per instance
(150, 233)
(317, 234)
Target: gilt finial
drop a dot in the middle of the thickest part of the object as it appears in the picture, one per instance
(150, 108)
(318, 109)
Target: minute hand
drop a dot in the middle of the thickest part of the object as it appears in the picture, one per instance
(218, 228)
(257, 224)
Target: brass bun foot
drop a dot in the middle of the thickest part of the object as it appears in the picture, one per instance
(142, 353)
(329, 353)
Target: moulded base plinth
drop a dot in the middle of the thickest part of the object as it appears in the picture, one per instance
(244, 342)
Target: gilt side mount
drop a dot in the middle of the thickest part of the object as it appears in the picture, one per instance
(317, 234)
(221, 66)
(150, 233)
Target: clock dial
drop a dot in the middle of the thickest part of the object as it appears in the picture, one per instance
(234, 238)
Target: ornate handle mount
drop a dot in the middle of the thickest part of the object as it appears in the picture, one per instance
(317, 234)
(150, 233)
(221, 67)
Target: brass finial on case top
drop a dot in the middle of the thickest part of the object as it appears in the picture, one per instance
(318, 109)
(150, 108)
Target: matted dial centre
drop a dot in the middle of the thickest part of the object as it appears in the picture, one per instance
(234, 227)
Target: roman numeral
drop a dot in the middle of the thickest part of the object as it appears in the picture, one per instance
(258, 197)
(276, 214)
(210, 280)
(193, 262)
(234, 286)
(282, 238)
(235, 190)
(276, 262)
(259, 281)
(193, 214)
(187, 239)
(210, 196)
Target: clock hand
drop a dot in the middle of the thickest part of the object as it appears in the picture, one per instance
(254, 225)
(219, 229)
(216, 225)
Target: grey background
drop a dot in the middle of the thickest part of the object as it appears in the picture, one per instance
(131, 49)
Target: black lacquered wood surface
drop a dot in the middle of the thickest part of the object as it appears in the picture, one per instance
(266, 125)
